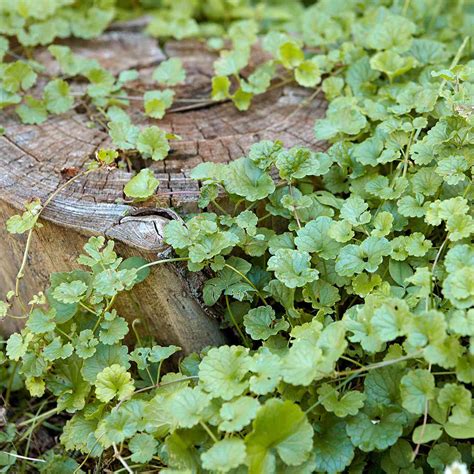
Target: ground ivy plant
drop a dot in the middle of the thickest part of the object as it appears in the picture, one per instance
(345, 276)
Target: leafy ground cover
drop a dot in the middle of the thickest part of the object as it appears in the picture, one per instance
(348, 281)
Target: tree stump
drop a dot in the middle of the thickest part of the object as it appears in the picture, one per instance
(36, 159)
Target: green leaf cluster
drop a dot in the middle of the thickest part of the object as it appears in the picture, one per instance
(346, 276)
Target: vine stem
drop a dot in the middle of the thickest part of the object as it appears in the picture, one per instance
(67, 336)
(351, 360)
(12, 316)
(406, 5)
(157, 385)
(407, 154)
(110, 304)
(378, 365)
(21, 271)
(139, 341)
(26, 458)
(455, 61)
(295, 212)
(166, 260)
(354, 373)
(100, 315)
(183, 259)
(423, 428)
(320, 400)
(208, 431)
(88, 454)
(237, 327)
(220, 207)
(122, 461)
(88, 308)
(10, 383)
(264, 301)
(46, 414)
(29, 435)
(435, 262)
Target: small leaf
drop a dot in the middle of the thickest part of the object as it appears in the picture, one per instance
(223, 371)
(417, 389)
(428, 432)
(188, 405)
(347, 404)
(280, 427)
(220, 87)
(260, 323)
(156, 102)
(143, 447)
(41, 322)
(170, 72)
(71, 292)
(142, 185)
(153, 143)
(113, 382)
(292, 267)
(18, 75)
(57, 96)
(224, 455)
(392, 64)
(20, 224)
(238, 413)
(32, 111)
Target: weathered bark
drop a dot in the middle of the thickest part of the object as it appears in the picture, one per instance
(35, 160)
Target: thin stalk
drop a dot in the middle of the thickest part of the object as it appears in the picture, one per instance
(110, 304)
(67, 336)
(21, 271)
(158, 385)
(139, 341)
(122, 461)
(266, 216)
(220, 207)
(46, 414)
(12, 316)
(88, 308)
(137, 321)
(237, 204)
(295, 212)
(10, 383)
(88, 454)
(435, 262)
(378, 365)
(159, 262)
(320, 400)
(234, 322)
(406, 154)
(406, 5)
(455, 61)
(351, 360)
(423, 427)
(158, 373)
(208, 431)
(30, 434)
(97, 323)
(26, 458)
(264, 301)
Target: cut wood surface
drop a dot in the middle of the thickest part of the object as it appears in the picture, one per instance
(36, 159)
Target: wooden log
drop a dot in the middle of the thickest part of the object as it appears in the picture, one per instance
(36, 159)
